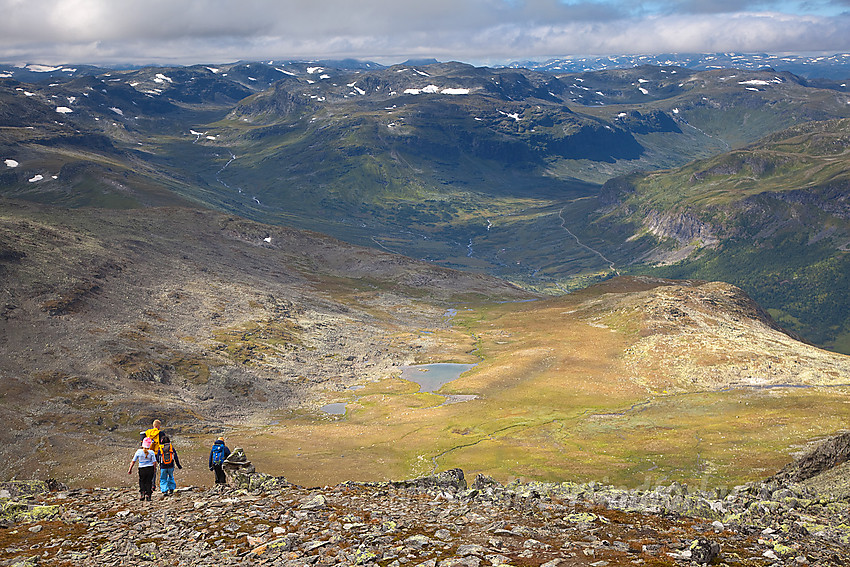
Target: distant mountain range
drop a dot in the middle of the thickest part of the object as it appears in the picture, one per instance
(836, 66)
(490, 170)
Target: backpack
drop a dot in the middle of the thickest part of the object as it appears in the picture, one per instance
(167, 452)
(218, 454)
(154, 435)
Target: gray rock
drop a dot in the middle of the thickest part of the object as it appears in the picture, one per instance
(314, 502)
(483, 482)
(470, 549)
(417, 541)
(450, 479)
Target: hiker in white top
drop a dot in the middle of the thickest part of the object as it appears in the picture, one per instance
(147, 468)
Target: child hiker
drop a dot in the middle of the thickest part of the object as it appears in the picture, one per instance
(154, 433)
(167, 458)
(147, 468)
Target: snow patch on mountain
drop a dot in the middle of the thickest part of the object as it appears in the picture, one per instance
(11, 163)
(514, 115)
(63, 110)
(430, 89)
(42, 68)
(433, 89)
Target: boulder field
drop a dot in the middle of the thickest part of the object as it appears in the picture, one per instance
(434, 521)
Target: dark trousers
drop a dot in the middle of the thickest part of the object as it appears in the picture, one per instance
(146, 476)
(220, 477)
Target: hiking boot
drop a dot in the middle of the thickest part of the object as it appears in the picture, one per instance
(148, 497)
(141, 497)
(171, 492)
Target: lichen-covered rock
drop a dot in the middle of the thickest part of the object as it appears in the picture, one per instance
(704, 551)
(482, 482)
(12, 512)
(452, 479)
(254, 481)
(237, 463)
(313, 502)
(16, 488)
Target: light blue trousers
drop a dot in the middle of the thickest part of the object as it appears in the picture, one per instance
(166, 479)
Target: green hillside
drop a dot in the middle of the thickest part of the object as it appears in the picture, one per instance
(773, 218)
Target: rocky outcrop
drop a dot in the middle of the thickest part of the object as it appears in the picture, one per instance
(684, 228)
(825, 456)
(237, 463)
(18, 503)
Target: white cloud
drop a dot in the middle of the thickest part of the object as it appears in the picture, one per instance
(191, 31)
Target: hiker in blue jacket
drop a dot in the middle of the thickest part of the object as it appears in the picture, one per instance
(218, 454)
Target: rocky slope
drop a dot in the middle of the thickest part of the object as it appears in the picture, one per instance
(111, 319)
(437, 521)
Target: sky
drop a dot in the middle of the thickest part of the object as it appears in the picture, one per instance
(390, 31)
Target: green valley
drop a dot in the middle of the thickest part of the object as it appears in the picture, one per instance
(515, 173)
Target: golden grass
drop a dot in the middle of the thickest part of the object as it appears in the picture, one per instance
(555, 402)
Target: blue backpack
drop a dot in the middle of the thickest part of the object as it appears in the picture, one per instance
(218, 454)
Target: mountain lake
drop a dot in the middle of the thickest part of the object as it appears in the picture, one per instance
(431, 377)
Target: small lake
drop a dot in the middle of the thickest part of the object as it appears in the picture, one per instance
(334, 409)
(431, 377)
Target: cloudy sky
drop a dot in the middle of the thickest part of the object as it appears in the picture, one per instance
(388, 31)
